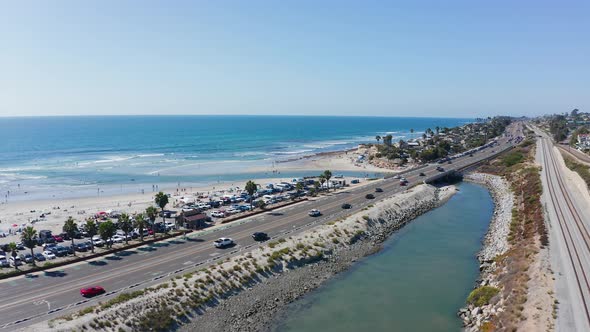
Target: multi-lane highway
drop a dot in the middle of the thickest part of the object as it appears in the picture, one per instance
(45, 295)
(570, 240)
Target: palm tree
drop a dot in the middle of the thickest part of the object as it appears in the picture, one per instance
(424, 136)
(437, 128)
(251, 188)
(161, 201)
(13, 248)
(106, 230)
(139, 222)
(71, 228)
(92, 229)
(299, 188)
(260, 204)
(378, 138)
(412, 132)
(322, 179)
(29, 239)
(328, 176)
(151, 212)
(125, 225)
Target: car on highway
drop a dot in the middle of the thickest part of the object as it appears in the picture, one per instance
(314, 213)
(91, 291)
(260, 236)
(223, 242)
(346, 206)
(422, 174)
(48, 254)
(378, 190)
(369, 196)
(39, 257)
(440, 169)
(397, 177)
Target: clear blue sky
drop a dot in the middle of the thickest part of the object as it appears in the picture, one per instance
(418, 58)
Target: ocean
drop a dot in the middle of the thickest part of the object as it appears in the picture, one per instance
(58, 157)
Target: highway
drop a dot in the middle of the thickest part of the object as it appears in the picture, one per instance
(570, 240)
(44, 295)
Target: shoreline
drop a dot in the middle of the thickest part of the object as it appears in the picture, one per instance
(494, 244)
(245, 294)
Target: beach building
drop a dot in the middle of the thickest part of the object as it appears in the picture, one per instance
(193, 219)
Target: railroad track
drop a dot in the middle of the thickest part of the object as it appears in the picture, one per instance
(580, 273)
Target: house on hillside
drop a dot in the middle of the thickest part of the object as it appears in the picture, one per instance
(583, 142)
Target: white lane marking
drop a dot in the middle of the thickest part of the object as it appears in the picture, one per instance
(40, 302)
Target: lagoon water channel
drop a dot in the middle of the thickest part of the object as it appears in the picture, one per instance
(416, 283)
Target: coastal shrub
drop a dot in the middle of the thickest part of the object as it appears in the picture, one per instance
(123, 297)
(157, 320)
(512, 158)
(482, 295)
(582, 170)
(282, 240)
(272, 244)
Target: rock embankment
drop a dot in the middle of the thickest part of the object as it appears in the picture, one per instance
(495, 243)
(262, 306)
(248, 291)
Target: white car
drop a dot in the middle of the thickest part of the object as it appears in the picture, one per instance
(314, 213)
(15, 261)
(233, 211)
(170, 225)
(118, 238)
(223, 242)
(396, 177)
(218, 214)
(97, 241)
(48, 254)
(3, 261)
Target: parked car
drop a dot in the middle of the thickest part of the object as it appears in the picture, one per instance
(20, 246)
(80, 247)
(378, 190)
(58, 238)
(396, 176)
(118, 239)
(354, 181)
(223, 242)
(27, 258)
(218, 214)
(314, 213)
(91, 291)
(97, 241)
(15, 261)
(369, 196)
(4, 261)
(346, 206)
(60, 251)
(260, 236)
(49, 255)
(422, 174)
(39, 257)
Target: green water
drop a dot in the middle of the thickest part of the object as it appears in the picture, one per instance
(416, 283)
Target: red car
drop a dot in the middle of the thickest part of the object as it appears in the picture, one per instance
(58, 238)
(91, 291)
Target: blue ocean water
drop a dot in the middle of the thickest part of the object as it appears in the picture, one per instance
(45, 154)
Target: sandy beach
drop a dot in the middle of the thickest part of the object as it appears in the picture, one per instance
(19, 214)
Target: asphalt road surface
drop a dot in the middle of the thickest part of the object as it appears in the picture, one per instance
(40, 296)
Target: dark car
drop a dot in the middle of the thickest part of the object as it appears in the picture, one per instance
(378, 190)
(369, 196)
(80, 247)
(422, 174)
(260, 236)
(59, 251)
(91, 291)
(440, 169)
(39, 257)
(27, 258)
(71, 250)
(346, 206)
